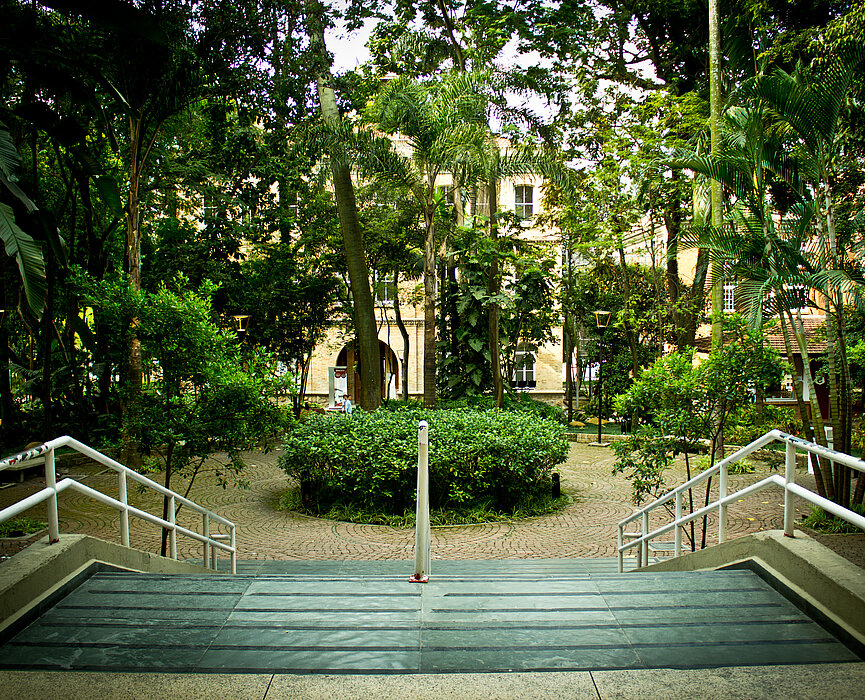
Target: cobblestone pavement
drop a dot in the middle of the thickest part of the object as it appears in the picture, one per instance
(585, 528)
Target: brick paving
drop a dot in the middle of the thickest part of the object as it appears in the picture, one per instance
(585, 528)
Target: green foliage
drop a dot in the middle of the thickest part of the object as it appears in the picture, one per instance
(464, 369)
(745, 426)
(19, 527)
(823, 521)
(643, 457)
(858, 440)
(203, 397)
(743, 466)
(513, 402)
(683, 401)
(18, 244)
(475, 457)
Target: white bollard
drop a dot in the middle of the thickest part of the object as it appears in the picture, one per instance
(422, 527)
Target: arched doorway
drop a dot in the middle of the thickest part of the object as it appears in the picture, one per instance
(346, 382)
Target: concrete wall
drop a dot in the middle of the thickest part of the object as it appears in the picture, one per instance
(823, 579)
(43, 569)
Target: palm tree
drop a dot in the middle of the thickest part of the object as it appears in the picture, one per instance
(808, 112)
(440, 124)
(787, 137)
(439, 128)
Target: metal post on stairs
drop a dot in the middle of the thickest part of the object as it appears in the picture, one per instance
(789, 478)
(422, 526)
(51, 483)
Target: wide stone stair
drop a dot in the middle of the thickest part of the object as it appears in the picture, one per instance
(473, 616)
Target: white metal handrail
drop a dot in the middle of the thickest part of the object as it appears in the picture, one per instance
(787, 482)
(211, 543)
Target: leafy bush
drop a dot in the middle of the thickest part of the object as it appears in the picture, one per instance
(743, 426)
(18, 527)
(475, 457)
(485, 402)
(513, 402)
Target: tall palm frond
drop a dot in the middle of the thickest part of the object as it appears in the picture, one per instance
(18, 244)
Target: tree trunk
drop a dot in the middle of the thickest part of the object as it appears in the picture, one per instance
(816, 416)
(165, 499)
(715, 127)
(8, 410)
(429, 311)
(717, 203)
(493, 288)
(626, 291)
(352, 236)
(46, 338)
(404, 333)
(132, 263)
(673, 224)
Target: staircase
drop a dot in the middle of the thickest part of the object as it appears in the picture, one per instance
(474, 616)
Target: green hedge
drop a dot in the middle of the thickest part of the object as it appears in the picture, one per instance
(743, 427)
(475, 457)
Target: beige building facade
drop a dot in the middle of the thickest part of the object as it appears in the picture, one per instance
(540, 374)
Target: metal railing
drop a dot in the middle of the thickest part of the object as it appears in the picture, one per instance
(211, 543)
(787, 483)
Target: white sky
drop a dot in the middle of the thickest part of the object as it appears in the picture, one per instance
(349, 51)
(348, 48)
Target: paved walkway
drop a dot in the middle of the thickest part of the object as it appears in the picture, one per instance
(585, 528)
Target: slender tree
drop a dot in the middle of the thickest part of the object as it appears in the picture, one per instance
(358, 271)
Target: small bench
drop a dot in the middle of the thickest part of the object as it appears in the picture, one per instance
(20, 467)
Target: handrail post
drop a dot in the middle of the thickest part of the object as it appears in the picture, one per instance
(789, 478)
(205, 546)
(422, 525)
(50, 496)
(233, 550)
(51, 482)
(124, 513)
(722, 508)
(172, 534)
(677, 533)
(644, 545)
(621, 553)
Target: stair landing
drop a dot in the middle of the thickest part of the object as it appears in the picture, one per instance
(365, 617)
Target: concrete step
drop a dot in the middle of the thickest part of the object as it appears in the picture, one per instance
(365, 617)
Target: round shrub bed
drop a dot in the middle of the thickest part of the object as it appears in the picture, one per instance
(476, 458)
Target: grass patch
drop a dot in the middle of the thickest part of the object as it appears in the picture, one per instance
(829, 524)
(743, 466)
(482, 513)
(19, 527)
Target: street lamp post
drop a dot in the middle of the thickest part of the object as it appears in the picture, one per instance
(602, 319)
(240, 322)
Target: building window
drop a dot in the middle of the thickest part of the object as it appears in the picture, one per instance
(794, 297)
(729, 298)
(384, 290)
(447, 193)
(291, 204)
(209, 208)
(524, 366)
(798, 297)
(524, 201)
(482, 205)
